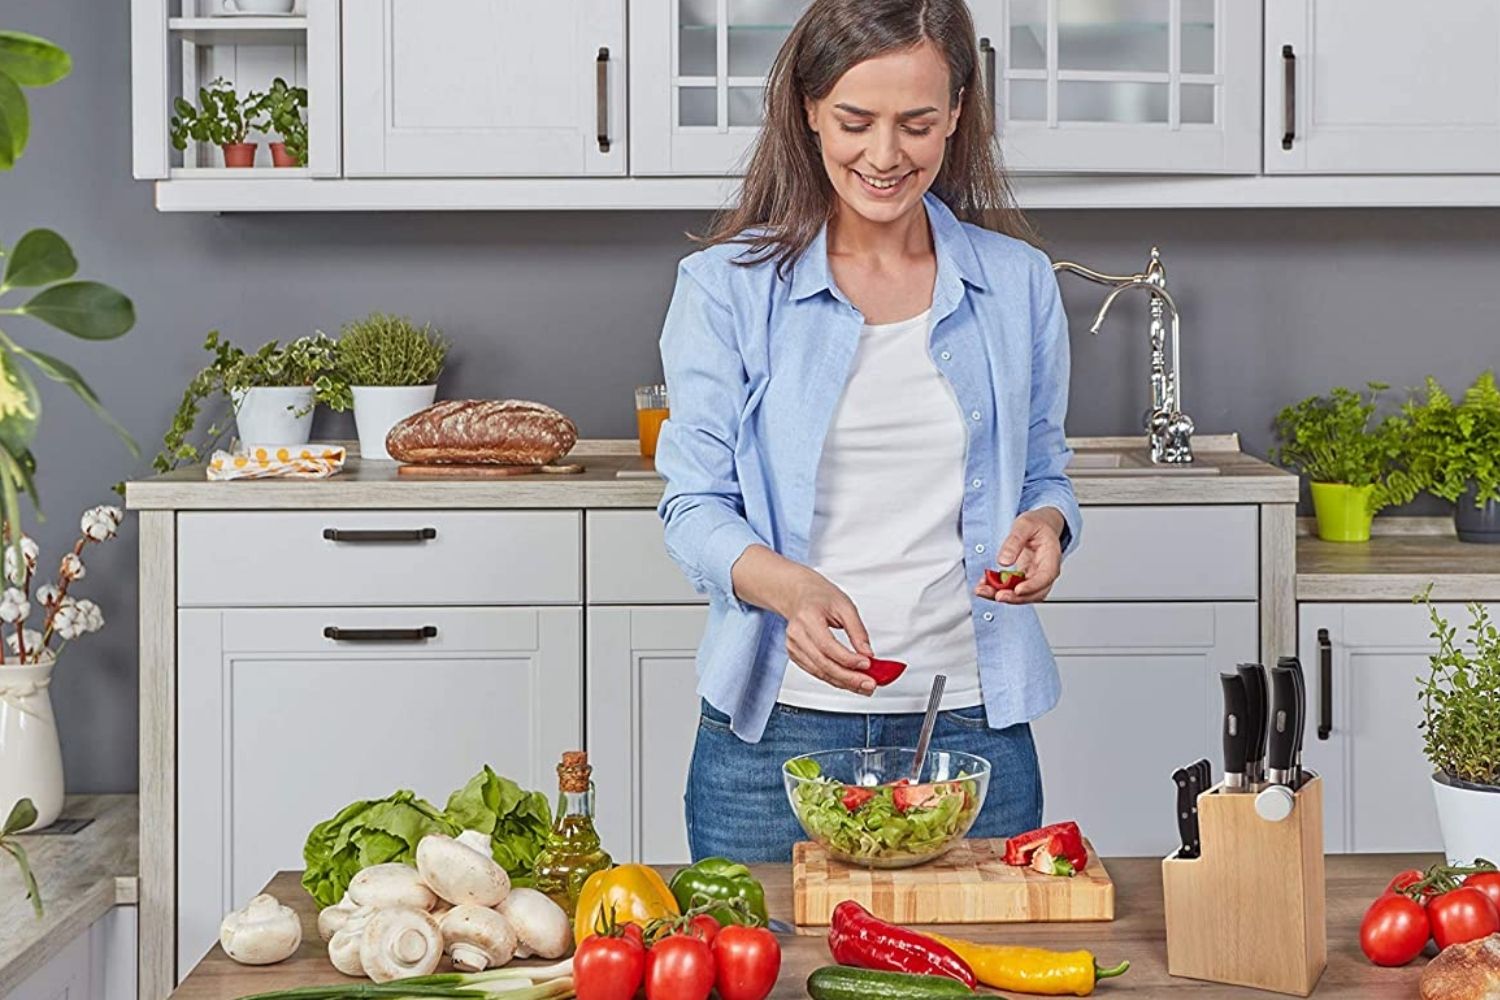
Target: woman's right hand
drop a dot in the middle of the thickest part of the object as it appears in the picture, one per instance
(813, 607)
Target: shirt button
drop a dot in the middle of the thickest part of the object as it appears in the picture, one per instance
(974, 415)
(979, 547)
(989, 616)
(978, 483)
(945, 356)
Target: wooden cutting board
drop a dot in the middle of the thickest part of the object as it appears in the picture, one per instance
(476, 471)
(971, 884)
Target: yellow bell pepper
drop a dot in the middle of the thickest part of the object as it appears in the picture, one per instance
(1032, 970)
(635, 893)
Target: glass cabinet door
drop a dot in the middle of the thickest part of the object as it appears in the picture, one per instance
(1124, 85)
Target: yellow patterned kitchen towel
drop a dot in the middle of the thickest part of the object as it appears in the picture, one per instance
(265, 461)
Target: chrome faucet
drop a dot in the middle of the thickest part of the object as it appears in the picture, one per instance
(1169, 430)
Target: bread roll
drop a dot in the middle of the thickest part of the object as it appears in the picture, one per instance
(483, 432)
(1469, 971)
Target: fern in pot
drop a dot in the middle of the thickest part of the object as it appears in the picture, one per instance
(1453, 450)
(1460, 725)
(1351, 457)
(391, 366)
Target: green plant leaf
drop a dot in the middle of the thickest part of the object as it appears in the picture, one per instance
(85, 309)
(22, 815)
(41, 257)
(15, 122)
(60, 371)
(32, 61)
(20, 406)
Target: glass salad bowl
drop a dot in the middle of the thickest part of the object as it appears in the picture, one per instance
(861, 807)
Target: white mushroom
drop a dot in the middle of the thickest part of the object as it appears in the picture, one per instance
(478, 938)
(391, 884)
(332, 918)
(459, 873)
(343, 947)
(262, 933)
(398, 943)
(541, 926)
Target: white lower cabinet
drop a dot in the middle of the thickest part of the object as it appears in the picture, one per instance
(1141, 697)
(642, 721)
(285, 715)
(1378, 795)
(98, 964)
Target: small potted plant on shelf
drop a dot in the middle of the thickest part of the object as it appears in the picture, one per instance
(1460, 726)
(283, 112)
(1453, 450)
(1350, 457)
(221, 118)
(272, 394)
(391, 366)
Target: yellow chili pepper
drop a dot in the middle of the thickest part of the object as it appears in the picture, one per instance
(1032, 970)
(635, 894)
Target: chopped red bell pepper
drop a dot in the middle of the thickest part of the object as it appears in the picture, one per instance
(906, 796)
(884, 672)
(1003, 579)
(1053, 857)
(1068, 844)
(854, 797)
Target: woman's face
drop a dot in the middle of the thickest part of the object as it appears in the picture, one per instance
(883, 129)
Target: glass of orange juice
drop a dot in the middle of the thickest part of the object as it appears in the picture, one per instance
(650, 410)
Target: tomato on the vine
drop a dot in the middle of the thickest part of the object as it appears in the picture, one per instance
(1394, 930)
(1487, 883)
(704, 927)
(609, 967)
(1462, 914)
(679, 967)
(1403, 879)
(747, 962)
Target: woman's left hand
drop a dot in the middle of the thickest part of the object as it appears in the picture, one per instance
(1035, 548)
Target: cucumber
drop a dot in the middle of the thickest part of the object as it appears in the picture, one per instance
(840, 982)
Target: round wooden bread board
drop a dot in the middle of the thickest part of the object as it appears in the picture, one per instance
(476, 471)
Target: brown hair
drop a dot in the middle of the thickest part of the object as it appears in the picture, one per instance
(787, 197)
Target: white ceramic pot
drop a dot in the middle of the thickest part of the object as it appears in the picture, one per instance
(30, 755)
(1469, 816)
(378, 408)
(274, 414)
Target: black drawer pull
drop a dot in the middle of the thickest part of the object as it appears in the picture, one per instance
(1325, 685)
(380, 634)
(380, 534)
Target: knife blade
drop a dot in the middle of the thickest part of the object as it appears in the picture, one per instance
(1294, 664)
(1281, 755)
(1256, 701)
(1236, 735)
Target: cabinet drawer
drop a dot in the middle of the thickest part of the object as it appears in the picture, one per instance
(628, 563)
(1164, 554)
(288, 558)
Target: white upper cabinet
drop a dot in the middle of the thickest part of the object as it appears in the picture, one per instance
(1382, 86)
(697, 80)
(484, 88)
(1141, 86)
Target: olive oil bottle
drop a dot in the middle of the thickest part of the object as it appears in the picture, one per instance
(572, 852)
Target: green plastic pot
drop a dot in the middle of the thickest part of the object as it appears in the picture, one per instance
(1343, 511)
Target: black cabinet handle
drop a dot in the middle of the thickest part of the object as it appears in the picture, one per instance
(380, 634)
(1325, 685)
(1288, 97)
(601, 98)
(380, 534)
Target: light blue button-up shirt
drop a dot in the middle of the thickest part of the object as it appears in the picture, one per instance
(755, 364)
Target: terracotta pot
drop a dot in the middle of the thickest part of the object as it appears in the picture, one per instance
(239, 154)
(280, 157)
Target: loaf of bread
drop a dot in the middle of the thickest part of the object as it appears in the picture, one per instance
(1469, 971)
(483, 432)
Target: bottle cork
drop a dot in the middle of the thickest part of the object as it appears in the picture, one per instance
(573, 773)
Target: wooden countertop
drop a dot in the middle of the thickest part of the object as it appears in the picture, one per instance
(1403, 555)
(81, 875)
(1240, 479)
(1136, 933)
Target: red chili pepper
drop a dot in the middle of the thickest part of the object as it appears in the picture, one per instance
(854, 797)
(1020, 848)
(885, 671)
(858, 937)
(1003, 579)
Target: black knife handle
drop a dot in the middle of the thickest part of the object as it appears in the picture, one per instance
(1325, 685)
(1236, 733)
(1283, 738)
(1254, 676)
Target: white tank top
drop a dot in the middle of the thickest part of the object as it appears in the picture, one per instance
(885, 525)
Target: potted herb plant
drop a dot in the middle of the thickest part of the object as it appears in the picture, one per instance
(221, 118)
(1460, 726)
(283, 111)
(392, 368)
(1351, 458)
(1453, 450)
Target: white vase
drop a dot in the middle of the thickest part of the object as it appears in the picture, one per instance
(1469, 816)
(30, 755)
(378, 408)
(274, 414)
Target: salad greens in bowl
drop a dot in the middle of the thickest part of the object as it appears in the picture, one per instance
(862, 807)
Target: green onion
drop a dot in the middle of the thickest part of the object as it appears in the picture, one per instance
(511, 984)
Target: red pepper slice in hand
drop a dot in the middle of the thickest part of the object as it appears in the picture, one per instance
(884, 672)
(1003, 579)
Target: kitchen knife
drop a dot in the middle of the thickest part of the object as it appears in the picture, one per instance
(1282, 750)
(1187, 806)
(1254, 675)
(1236, 737)
(1203, 772)
(1295, 665)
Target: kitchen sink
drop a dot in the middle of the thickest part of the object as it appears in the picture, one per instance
(1113, 462)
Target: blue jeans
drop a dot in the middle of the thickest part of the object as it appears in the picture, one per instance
(737, 806)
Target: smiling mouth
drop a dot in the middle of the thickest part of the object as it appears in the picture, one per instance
(882, 183)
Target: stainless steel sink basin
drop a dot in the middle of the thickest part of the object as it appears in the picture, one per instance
(1111, 462)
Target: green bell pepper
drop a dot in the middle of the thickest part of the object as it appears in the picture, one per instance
(721, 880)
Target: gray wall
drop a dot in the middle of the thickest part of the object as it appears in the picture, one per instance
(566, 308)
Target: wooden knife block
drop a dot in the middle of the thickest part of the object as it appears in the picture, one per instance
(1250, 910)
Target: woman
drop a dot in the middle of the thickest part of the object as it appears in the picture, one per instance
(867, 412)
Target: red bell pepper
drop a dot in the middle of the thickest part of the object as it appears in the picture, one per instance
(1060, 841)
(858, 937)
(854, 797)
(1003, 579)
(883, 672)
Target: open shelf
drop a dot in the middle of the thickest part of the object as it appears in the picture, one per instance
(256, 173)
(239, 30)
